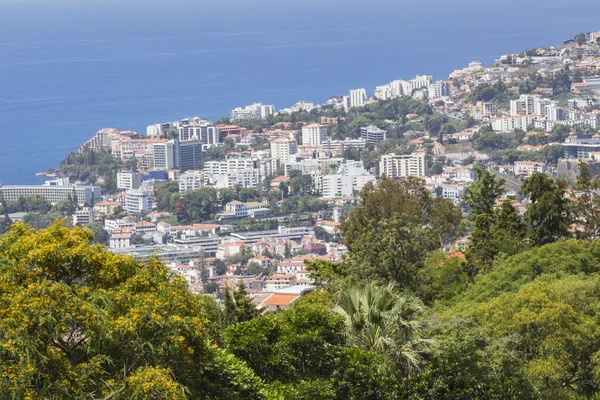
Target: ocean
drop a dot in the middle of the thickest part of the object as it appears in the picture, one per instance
(69, 68)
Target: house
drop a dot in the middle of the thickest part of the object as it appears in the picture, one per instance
(282, 299)
(528, 168)
(229, 249)
(279, 281)
(123, 240)
(106, 207)
(144, 227)
(330, 227)
(263, 261)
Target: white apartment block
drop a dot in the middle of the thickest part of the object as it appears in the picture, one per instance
(400, 166)
(420, 82)
(228, 165)
(594, 37)
(166, 155)
(205, 132)
(157, 129)
(383, 92)
(252, 112)
(245, 178)
(137, 201)
(128, 180)
(191, 180)
(508, 124)
(314, 134)
(349, 180)
(438, 89)
(54, 194)
(302, 105)
(84, 216)
(283, 148)
(372, 134)
(357, 98)
(528, 168)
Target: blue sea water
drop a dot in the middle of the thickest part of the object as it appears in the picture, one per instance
(69, 68)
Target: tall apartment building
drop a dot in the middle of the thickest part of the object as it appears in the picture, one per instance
(283, 148)
(229, 165)
(252, 112)
(157, 129)
(84, 216)
(190, 155)
(314, 134)
(129, 180)
(54, 193)
(484, 109)
(400, 166)
(524, 105)
(438, 89)
(203, 131)
(420, 82)
(166, 155)
(348, 181)
(138, 200)
(383, 92)
(372, 134)
(357, 98)
(191, 180)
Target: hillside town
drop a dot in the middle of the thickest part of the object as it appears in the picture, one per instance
(252, 197)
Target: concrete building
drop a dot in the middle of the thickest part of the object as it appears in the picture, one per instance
(528, 168)
(357, 98)
(400, 166)
(580, 148)
(283, 148)
(372, 134)
(190, 155)
(166, 155)
(348, 181)
(314, 134)
(54, 194)
(84, 216)
(137, 201)
(191, 180)
(128, 180)
(438, 90)
(254, 111)
(203, 131)
(157, 129)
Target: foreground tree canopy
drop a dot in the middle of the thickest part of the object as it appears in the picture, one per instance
(77, 321)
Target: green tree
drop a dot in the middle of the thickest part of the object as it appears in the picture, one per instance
(77, 321)
(381, 321)
(547, 215)
(481, 196)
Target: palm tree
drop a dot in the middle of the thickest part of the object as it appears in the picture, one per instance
(379, 319)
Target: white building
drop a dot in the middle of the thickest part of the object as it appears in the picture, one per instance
(137, 201)
(84, 216)
(314, 134)
(372, 134)
(400, 166)
(508, 124)
(245, 178)
(54, 193)
(254, 111)
(202, 130)
(349, 180)
(357, 98)
(128, 180)
(528, 168)
(157, 129)
(438, 89)
(191, 180)
(383, 92)
(302, 105)
(121, 241)
(283, 148)
(420, 82)
(166, 155)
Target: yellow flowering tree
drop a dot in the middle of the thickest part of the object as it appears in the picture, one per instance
(77, 321)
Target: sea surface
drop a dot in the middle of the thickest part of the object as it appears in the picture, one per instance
(69, 68)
